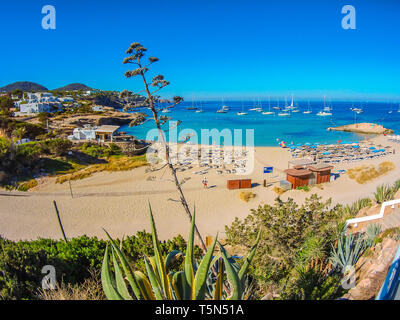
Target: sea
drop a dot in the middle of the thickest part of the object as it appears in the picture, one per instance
(272, 130)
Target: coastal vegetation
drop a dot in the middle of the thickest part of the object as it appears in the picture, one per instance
(246, 196)
(294, 259)
(365, 173)
(195, 282)
(386, 192)
(113, 163)
(21, 262)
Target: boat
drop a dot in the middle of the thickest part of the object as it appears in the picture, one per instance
(284, 114)
(291, 107)
(224, 108)
(166, 110)
(200, 110)
(308, 111)
(398, 110)
(326, 112)
(241, 113)
(193, 107)
(269, 112)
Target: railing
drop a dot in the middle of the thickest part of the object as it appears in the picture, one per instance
(374, 217)
(390, 288)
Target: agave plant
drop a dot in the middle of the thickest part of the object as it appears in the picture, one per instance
(384, 193)
(199, 280)
(372, 233)
(349, 250)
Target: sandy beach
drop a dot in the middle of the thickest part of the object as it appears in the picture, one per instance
(118, 201)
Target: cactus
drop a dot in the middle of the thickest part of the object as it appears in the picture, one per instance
(195, 282)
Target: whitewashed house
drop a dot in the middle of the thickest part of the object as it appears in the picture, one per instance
(66, 99)
(38, 102)
(98, 108)
(103, 133)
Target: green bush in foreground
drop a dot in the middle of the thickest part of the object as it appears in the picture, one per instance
(21, 262)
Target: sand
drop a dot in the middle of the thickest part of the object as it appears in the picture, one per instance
(118, 201)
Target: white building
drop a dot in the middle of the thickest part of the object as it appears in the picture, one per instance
(88, 133)
(35, 107)
(98, 108)
(38, 102)
(66, 99)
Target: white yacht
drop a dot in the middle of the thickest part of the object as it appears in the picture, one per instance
(326, 112)
(241, 113)
(308, 111)
(166, 110)
(200, 110)
(269, 112)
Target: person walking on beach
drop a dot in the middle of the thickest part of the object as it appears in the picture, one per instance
(204, 181)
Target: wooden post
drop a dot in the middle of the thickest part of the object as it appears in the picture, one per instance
(70, 189)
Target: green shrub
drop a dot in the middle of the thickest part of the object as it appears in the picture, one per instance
(25, 186)
(21, 262)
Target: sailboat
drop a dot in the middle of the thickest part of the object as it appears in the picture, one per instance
(224, 108)
(201, 109)
(325, 112)
(399, 109)
(277, 107)
(269, 108)
(256, 108)
(241, 113)
(291, 107)
(308, 111)
(192, 107)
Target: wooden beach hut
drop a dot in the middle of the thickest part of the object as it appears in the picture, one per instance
(298, 176)
(322, 172)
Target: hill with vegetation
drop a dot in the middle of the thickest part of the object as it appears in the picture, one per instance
(74, 86)
(23, 86)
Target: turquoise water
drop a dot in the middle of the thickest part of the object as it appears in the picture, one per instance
(298, 128)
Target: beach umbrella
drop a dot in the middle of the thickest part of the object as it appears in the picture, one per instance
(299, 144)
(356, 147)
(372, 148)
(326, 153)
(316, 144)
(307, 144)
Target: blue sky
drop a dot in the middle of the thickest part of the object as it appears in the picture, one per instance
(209, 49)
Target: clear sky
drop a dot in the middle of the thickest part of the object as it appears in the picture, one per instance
(209, 48)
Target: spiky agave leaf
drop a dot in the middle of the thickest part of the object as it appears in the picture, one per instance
(188, 267)
(119, 279)
(233, 278)
(155, 284)
(179, 283)
(107, 280)
(219, 282)
(127, 268)
(144, 285)
(198, 290)
(159, 259)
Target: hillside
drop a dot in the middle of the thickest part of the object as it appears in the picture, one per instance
(74, 86)
(24, 86)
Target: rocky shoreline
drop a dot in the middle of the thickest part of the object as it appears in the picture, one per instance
(364, 128)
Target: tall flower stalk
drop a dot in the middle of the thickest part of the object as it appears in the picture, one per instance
(136, 53)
